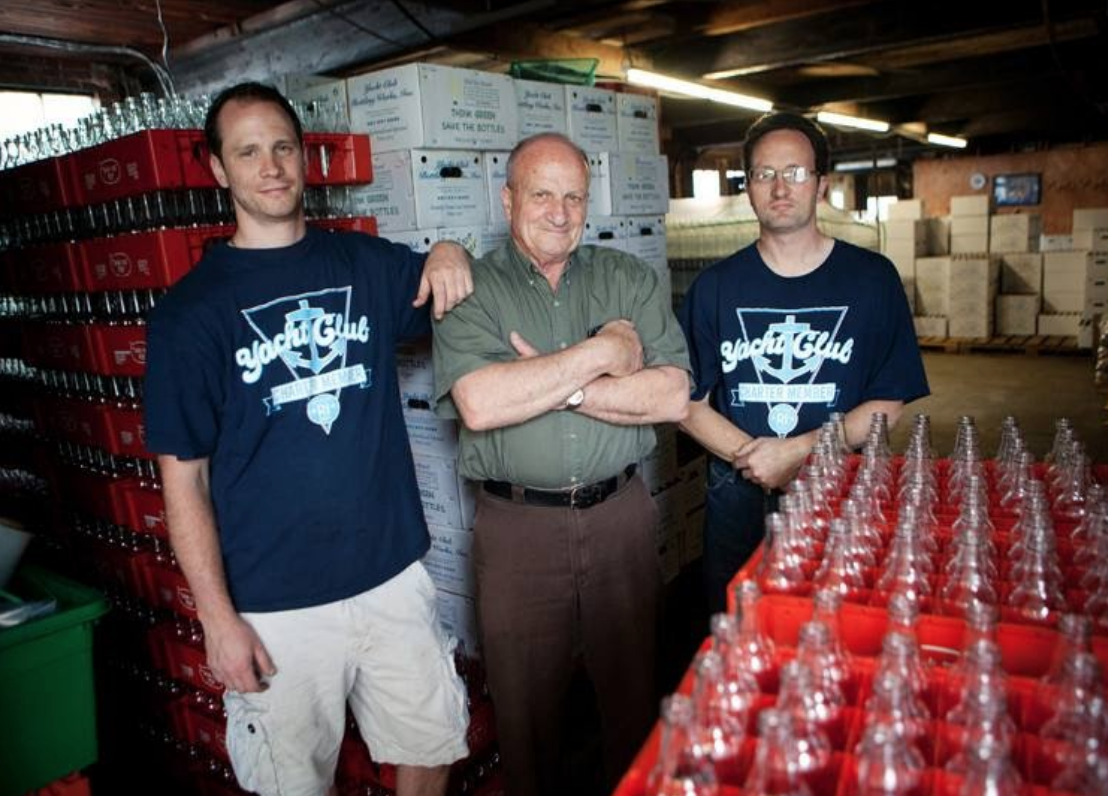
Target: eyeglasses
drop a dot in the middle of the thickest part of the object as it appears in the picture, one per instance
(793, 175)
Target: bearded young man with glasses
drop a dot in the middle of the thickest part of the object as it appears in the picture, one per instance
(781, 334)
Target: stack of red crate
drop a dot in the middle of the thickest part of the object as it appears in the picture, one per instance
(1027, 652)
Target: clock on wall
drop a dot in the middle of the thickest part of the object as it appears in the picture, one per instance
(977, 181)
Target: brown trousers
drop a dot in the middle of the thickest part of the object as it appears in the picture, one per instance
(556, 587)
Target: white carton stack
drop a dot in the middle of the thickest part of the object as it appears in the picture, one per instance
(969, 224)
(1015, 233)
(971, 291)
(932, 278)
(1090, 234)
(1020, 302)
(1064, 276)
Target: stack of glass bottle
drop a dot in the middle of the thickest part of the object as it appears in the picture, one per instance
(913, 625)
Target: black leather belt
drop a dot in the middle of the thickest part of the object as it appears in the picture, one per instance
(578, 497)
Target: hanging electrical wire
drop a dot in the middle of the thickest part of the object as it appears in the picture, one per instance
(165, 35)
(162, 75)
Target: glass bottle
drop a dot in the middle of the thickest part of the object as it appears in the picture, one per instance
(888, 765)
(682, 769)
(753, 650)
(779, 763)
(988, 770)
(781, 570)
(719, 717)
(841, 570)
(811, 716)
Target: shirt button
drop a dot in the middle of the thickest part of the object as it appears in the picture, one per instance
(557, 303)
(573, 479)
(562, 345)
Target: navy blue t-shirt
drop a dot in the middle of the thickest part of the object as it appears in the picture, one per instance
(278, 365)
(779, 354)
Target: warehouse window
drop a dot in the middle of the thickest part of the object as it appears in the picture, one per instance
(23, 111)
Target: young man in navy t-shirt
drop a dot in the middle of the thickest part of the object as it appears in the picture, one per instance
(783, 333)
(272, 402)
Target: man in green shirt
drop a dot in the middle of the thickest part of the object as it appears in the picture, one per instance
(557, 365)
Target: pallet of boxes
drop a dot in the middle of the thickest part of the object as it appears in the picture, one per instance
(1075, 278)
(440, 139)
(919, 247)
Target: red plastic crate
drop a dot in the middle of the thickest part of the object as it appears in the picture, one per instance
(47, 268)
(38, 187)
(144, 260)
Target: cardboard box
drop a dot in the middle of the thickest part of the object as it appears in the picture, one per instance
(1021, 273)
(605, 231)
(659, 467)
(1055, 243)
(495, 165)
(1057, 301)
(478, 241)
(938, 236)
(646, 239)
(930, 325)
(972, 205)
(909, 284)
(905, 264)
(1064, 324)
(592, 118)
(969, 225)
(932, 276)
(449, 560)
(458, 617)
(447, 499)
(428, 434)
(449, 188)
(972, 243)
(640, 184)
(390, 198)
(326, 94)
(1090, 218)
(540, 108)
(1092, 239)
(906, 209)
(1017, 314)
(637, 123)
(600, 184)
(426, 105)
(418, 240)
(971, 291)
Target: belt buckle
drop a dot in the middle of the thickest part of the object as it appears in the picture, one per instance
(584, 496)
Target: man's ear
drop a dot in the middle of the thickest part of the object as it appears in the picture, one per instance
(506, 200)
(216, 166)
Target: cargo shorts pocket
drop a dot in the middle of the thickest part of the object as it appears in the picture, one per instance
(249, 746)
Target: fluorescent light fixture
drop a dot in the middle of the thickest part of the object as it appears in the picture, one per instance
(865, 165)
(946, 140)
(841, 120)
(673, 85)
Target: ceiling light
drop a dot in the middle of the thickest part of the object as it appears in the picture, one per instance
(865, 165)
(674, 85)
(946, 140)
(841, 120)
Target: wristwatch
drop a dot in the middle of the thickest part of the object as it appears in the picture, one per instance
(575, 400)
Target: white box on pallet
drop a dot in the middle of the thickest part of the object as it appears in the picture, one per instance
(971, 291)
(1021, 273)
(540, 108)
(426, 105)
(646, 239)
(1065, 324)
(909, 283)
(906, 229)
(930, 325)
(640, 184)
(637, 123)
(905, 209)
(905, 264)
(1055, 243)
(496, 176)
(972, 205)
(969, 225)
(1017, 314)
(592, 118)
(1092, 239)
(932, 275)
(1090, 218)
(1064, 301)
(437, 481)
(938, 236)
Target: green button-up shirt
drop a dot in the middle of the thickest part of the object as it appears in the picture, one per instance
(559, 449)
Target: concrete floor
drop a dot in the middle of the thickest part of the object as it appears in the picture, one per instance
(989, 386)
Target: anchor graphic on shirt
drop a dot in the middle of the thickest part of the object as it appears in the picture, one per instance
(308, 315)
(788, 330)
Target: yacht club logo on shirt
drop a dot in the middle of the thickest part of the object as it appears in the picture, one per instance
(309, 335)
(787, 349)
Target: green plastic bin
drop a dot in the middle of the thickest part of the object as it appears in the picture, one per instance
(47, 699)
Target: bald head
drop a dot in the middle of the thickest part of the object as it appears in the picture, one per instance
(543, 144)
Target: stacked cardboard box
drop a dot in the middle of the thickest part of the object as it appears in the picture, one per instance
(1075, 280)
(1021, 281)
(971, 290)
(969, 224)
(1015, 233)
